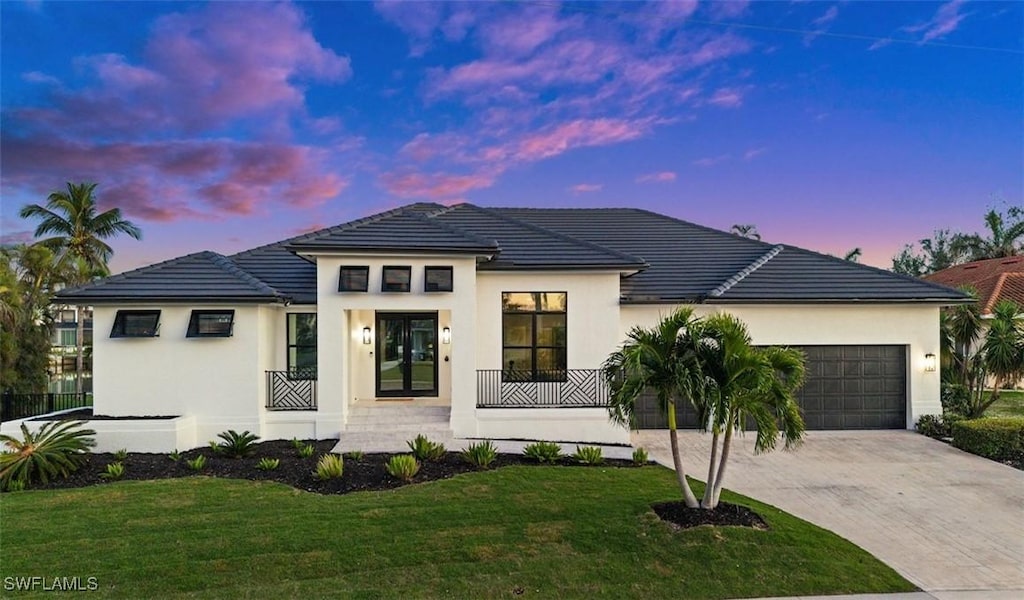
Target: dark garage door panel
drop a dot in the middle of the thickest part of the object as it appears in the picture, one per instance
(848, 387)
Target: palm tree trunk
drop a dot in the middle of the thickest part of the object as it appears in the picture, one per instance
(726, 445)
(80, 349)
(709, 484)
(677, 461)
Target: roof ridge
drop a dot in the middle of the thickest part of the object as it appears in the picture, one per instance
(699, 226)
(229, 266)
(559, 235)
(745, 271)
(996, 291)
(453, 229)
(124, 274)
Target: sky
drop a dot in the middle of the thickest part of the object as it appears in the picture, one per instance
(223, 126)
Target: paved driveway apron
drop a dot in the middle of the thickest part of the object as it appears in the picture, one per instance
(944, 519)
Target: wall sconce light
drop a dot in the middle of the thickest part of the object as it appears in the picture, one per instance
(446, 335)
(929, 362)
(367, 335)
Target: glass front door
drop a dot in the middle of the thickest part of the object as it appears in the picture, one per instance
(406, 354)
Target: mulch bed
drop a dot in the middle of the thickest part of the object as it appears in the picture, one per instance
(85, 414)
(724, 514)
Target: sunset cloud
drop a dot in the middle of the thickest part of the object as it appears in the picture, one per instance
(660, 177)
(586, 188)
(945, 21)
(433, 186)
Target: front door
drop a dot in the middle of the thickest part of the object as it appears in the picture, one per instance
(406, 354)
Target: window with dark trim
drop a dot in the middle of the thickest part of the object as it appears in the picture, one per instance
(211, 323)
(354, 279)
(301, 337)
(437, 279)
(136, 323)
(396, 279)
(533, 336)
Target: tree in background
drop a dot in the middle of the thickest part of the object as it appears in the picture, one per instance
(76, 232)
(748, 230)
(1004, 236)
(941, 251)
(853, 255)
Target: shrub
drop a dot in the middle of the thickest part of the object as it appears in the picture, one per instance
(932, 426)
(268, 464)
(297, 443)
(114, 470)
(306, 450)
(215, 447)
(424, 449)
(480, 454)
(998, 438)
(58, 448)
(640, 457)
(588, 455)
(403, 466)
(237, 445)
(121, 455)
(175, 456)
(197, 463)
(356, 455)
(544, 452)
(15, 485)
(330, 466)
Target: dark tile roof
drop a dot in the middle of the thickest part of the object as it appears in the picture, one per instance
(291, 275)
(993, 280)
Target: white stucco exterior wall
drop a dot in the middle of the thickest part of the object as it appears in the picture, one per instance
(913, 325)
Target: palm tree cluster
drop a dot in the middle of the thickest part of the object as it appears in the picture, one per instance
(712, 363)
(1004, 237)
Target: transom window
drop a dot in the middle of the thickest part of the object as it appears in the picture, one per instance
(533, 336)
(396, 279)
(302, 345)
(437, 279)
(136, 323)
(211, 323)
(354, 279)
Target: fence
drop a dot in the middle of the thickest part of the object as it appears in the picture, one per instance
(18, 406)
(573, 388)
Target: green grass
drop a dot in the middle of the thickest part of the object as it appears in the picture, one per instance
(1010, 404)
(532, 532)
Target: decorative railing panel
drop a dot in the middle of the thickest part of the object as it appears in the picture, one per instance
(291, 390)
(573, 388)
(19, 406)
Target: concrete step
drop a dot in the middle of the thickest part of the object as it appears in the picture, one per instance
(398, 427)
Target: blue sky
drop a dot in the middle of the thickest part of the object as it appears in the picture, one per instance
(223, 126)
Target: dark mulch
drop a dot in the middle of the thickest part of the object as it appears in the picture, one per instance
(85, 414)
(735, 515)
(365, 474)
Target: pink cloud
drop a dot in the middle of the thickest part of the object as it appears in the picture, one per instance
(586, 188)
(727, 9)
(727, 98)
(945, 20)
(580, 133)
(717, 49)
(660, 177)
(434, 186)
(711, 161)
(754, 153)
(827, 17)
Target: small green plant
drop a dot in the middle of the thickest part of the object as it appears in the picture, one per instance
(121, 455)
(215, 447)
(330, 466)
(480, 454)
(424, 449)
(355, 455)
(306, 451)
(588, 455)
(297, 443)
(15, 485)
(403, 466)
(268, 464)
(58, 448)
(543, 452)
(640, 457)
(237, 445)
(114, 470)
(197, 463)
(175, 456)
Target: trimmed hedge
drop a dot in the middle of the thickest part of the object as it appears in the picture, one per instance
(998, 438)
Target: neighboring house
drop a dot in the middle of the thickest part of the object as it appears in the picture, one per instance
(498, 319)
(64, 349)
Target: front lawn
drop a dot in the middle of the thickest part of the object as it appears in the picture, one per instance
(1010, 404)
(540, 532)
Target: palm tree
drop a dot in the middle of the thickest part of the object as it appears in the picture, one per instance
(662, 359)
(749, 383)
(1004, 231)
(76, 232)
(853, 255)
(1003, 350)
(748, 230)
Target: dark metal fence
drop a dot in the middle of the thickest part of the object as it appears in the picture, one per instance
(291, 390)
(18, 406)
(574, 388)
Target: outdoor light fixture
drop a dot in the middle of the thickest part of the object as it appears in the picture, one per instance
(446, 335)
(929, 362)
(367, 335)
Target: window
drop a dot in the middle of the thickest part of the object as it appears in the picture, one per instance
(437, 279)
(66, 337)
(211, 323)
(533, 336)
(302, 345)
(396, 279)
(68, 316)
(136, 323)
(354, 279)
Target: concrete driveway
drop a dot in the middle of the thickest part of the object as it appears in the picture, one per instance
(944, 519)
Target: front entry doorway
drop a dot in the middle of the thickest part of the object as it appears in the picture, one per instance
(406, 354)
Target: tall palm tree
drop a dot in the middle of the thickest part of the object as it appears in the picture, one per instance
(748, 230)
(662, 359)
(1003, 350)
(76, 232)
(749, 383)
(1004, 231)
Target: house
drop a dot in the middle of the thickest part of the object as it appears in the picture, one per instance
(64, 349)
(480, 322)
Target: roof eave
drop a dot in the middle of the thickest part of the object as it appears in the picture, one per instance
(127, 300)
(330, 249)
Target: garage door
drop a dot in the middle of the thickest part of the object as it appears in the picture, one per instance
(848, 387)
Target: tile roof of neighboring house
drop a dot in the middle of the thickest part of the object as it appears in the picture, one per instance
(662, 259)
(994, 279)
